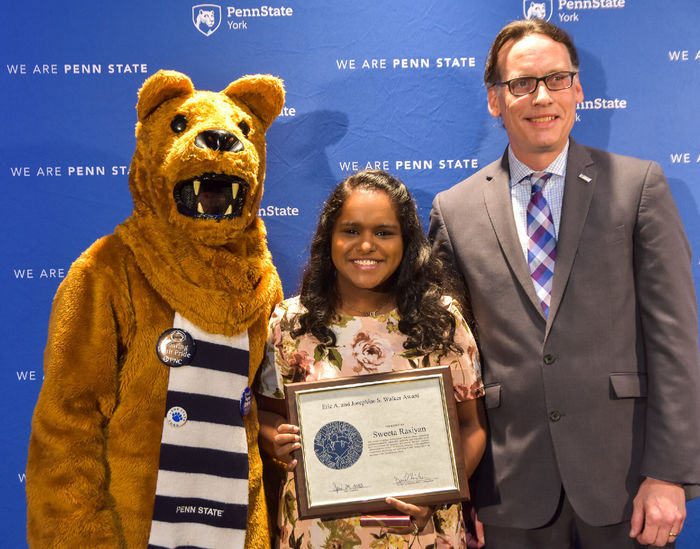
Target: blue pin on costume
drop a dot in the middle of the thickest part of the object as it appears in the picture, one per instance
(145, 432)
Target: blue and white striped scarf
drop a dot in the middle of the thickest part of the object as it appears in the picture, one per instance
(202, 488)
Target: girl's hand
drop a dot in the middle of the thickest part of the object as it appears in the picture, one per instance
(285, 442)
(420, 516)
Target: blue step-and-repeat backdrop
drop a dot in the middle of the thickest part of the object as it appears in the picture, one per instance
(392, 84)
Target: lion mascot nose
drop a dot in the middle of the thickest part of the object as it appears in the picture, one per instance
(218, 140)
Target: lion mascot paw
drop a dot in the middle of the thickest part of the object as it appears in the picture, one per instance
(145, 431)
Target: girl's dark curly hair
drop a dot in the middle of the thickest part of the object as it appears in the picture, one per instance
(418, 283)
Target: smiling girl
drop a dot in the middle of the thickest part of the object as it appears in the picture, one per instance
(373, 299)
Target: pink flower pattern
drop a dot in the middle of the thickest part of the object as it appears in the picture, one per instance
(369, 352)
(300, 365)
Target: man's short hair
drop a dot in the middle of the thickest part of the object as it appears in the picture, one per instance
(519, 29)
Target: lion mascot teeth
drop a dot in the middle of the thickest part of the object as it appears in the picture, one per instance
(145, 431)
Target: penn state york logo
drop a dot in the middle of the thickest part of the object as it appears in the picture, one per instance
(338, 445)
(206, 18)
(540, 9)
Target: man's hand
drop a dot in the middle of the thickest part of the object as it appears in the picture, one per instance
(659, 512)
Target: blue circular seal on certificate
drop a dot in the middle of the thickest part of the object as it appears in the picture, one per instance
(338, 445)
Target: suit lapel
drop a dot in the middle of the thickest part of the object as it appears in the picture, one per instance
(578, 191)
(500, 211)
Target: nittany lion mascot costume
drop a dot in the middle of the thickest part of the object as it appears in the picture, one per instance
(145, 431)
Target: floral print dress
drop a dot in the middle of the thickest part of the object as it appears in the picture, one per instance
(365, 345)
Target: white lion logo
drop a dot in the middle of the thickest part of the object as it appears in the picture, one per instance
(537, 9)
(206, 18)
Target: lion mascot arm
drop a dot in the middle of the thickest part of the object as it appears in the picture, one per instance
(66, 469)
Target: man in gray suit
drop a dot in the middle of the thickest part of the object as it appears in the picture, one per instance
(580, 285)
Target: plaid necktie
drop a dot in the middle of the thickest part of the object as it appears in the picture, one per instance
(542, 242)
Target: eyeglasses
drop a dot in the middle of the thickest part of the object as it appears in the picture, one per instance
(525, 85)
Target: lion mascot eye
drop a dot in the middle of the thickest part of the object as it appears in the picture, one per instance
(179, 123)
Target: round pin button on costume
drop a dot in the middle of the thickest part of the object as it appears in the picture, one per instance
(177, 416)
(246, 401)
(175, 347)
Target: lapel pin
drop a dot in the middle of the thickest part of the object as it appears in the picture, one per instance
(175, 347)
(246, 401)
(584, 178)
(176, 416)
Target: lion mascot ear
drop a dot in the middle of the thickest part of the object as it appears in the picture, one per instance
(160, 87)
(261, 93)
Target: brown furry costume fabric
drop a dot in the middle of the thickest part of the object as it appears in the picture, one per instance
(96, 431)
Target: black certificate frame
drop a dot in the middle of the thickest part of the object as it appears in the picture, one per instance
(336, 389)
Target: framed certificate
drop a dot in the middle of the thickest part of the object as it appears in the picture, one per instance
(364, 438)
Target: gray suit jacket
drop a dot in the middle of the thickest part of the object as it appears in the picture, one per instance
(607, 389)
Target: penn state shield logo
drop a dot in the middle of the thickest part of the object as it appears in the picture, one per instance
(206, 18)
(540, 9)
